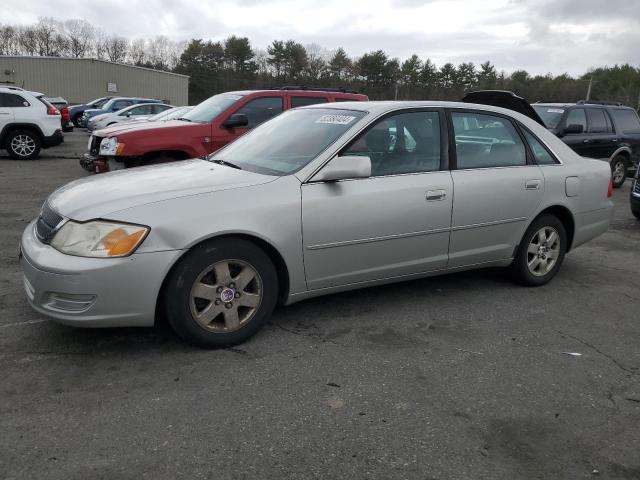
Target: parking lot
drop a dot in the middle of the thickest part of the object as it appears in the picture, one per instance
(465, 376)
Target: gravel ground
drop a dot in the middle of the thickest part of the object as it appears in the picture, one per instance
(463, 376)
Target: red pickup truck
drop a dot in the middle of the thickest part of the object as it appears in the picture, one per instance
(207, 127)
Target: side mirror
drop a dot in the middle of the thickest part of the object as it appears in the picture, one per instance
(342, 168)
(236, 120)
(127, 114)
(573, 129)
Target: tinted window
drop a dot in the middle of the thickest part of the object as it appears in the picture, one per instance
(597, 121)
(262, 109)
(577, 117)
(12, 100)
(141, 110)
(540, 153)
(120, 104)
(487, 141)
(289, 142)
(302, 101)
(160, 108)
(626, 120)
(403, 143)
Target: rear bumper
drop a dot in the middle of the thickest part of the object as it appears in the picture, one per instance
(51, 141)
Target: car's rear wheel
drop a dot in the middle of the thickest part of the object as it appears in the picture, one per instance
(221, 293)
(76, 119)
(23, 144)
(541, 251)
(618, 170)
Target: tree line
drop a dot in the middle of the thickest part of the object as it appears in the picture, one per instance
(235, 64)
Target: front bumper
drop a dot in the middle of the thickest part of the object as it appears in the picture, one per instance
(51, 141)
(93, 292)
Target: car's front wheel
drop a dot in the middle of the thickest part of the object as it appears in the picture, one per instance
(221, 293)
(23, 144)
(541, 251)
(618, 170)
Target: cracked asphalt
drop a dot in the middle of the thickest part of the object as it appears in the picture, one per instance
(465, 376)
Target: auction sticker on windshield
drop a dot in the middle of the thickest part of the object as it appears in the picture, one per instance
(336, 119)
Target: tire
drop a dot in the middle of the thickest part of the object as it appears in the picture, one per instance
(636, 213)
(543, 270)
(75, 120)
(210, 305)
(23, 144)
(619, 170)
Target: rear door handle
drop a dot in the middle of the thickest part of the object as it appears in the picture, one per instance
(436, 195)
(586, 141)
(532, 184)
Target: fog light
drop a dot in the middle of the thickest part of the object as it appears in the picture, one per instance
(68, 302)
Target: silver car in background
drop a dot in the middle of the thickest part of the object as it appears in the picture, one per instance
(170, 114)
(140, 111)
(320, 199)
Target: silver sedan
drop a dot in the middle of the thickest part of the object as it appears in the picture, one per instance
(139, 111)
(321, 199)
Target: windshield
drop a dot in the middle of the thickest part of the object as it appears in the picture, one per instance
(212, 107)
(550, 115)
(99, 102)
(288, 142)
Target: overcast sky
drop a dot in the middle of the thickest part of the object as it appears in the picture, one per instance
(540, 36)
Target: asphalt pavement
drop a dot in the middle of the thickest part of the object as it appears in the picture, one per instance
(465, 376)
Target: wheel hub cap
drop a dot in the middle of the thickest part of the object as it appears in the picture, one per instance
(227, 295)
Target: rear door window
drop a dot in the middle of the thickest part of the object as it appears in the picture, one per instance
(597, 121)
(484, 141)
(260, 110)
(626, 120)
(577, 117)
(302, 101)
(120, 104)
(12, 100)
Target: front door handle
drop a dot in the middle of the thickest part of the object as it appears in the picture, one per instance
(586, 141)
(436, 195)
(532, 184)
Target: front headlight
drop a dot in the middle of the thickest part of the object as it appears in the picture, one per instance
(99, 238)
(108, 146)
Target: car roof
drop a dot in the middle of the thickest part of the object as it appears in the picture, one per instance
(300, 91)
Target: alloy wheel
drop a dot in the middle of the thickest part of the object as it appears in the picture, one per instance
(23, 145)
(543, 251)
(226, 296)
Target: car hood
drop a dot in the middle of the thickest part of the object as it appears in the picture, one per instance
(144, 126)
(94, 111)
(98, 196)
(96, 118)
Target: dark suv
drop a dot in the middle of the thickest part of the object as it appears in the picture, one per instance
(604, 130)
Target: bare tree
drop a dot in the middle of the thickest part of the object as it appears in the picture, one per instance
(138, 52)
(100, 40)
(80, 35)
(116, 49)
(27, 40)
(9, 44)
(49, 41)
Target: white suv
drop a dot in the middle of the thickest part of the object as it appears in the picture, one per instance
(28, 122)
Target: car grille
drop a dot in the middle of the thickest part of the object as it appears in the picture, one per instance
(47, 223)
(636, 187)
(95, 145)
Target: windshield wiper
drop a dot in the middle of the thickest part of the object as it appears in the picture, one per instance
(184, 119)
(228, 164)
